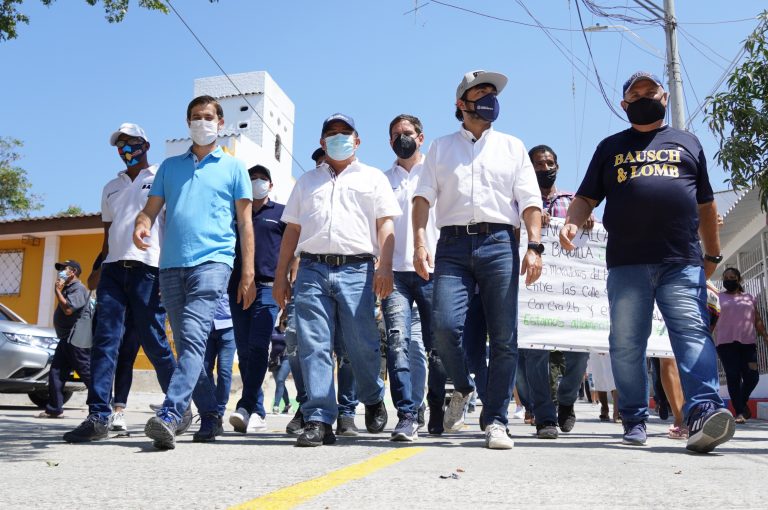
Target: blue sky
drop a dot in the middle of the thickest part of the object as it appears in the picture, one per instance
(71, 78)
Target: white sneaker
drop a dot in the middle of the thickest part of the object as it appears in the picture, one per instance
(519, 413)
(496, 437)
(257, 424)
(453, 421)
(239, 420)
(117, 422)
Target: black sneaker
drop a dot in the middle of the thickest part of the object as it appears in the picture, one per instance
(162, 431)
(407, 429)
(566, 418)
(316, 433)
(664, 410)
(90, 430)
(345, 426)
(296, 425)
(209, 425)
(220, 426)
(708, 427)
(375, 417)
(546, 431)
(435, 424)
(420, 416)
(186, 421)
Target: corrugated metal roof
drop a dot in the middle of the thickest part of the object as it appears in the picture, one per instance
(45, 218)
(725, 200)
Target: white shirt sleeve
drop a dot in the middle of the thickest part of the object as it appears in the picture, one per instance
(427, 187)
(292, 211)
(106, 214)
(385, 200)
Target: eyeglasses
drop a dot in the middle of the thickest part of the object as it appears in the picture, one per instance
(131, 141)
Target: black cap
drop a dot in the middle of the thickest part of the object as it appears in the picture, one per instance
(319, 153)
(259, 169)
(69, 263)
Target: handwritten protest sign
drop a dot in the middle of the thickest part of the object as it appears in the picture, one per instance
(567, 308)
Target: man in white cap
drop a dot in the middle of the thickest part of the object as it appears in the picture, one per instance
(655, 254)
(128, 289)
(481, 183)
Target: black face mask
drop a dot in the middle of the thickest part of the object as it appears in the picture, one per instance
(546, 178)
(731, 285)
(404, 146)
(645, 111)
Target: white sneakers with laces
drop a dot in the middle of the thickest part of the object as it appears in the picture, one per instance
(496, 437)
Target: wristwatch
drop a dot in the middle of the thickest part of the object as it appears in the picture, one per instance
(713, 258)
(537, 247)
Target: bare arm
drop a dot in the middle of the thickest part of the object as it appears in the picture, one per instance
(281, 289)
(144, 220)
(422, 259)
(383, 279)
(708, 232)
(531, 263)
(246, 291)
(578, 213)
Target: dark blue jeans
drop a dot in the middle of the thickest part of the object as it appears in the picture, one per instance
(220, 351)
(740, 365)
(476, 346)
(491, 262)
(126, 294)
(126, 358)
(253, 332)
(66, 358)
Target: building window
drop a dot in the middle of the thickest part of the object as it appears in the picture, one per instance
(243, 108)
(11, 265)
(243, 125)
(278, 147)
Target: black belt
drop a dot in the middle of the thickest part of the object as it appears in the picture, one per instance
(336, 260)
(130, 264)
(475, 229)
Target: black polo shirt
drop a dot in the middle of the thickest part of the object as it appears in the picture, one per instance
(268, 234)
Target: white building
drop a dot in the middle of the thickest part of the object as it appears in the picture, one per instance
(258, 127)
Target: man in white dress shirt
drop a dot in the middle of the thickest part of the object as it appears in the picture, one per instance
(339, 221)
(481, 183)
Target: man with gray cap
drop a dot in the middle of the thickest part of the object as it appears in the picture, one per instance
(128, 289)
(481, 183)
(654, 254)
(339, 222)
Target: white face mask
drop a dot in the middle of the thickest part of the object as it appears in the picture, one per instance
(260, 188)
(203, 132)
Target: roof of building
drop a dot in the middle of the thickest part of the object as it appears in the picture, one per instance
(31, 225)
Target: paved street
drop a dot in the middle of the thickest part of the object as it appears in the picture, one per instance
(587, 468)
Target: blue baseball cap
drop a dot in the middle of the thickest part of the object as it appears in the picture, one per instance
(346, 119)
(640, 76)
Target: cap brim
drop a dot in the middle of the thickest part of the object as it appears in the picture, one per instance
(59, 266)
(497, 80)
(114, 137)
(643, 78)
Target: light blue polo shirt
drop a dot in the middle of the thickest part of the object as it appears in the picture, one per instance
(200, 207)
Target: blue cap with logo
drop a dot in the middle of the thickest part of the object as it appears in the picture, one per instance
(346, 119)
(640, 76)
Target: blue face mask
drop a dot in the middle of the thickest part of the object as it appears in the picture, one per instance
(340, 147)
(487, 107)
(63, 274)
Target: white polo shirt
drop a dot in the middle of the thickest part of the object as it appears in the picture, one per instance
(488, 180)
(404, 184)
(338, 214)
(121, 201)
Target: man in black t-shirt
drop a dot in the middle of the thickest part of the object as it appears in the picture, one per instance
(659, 207)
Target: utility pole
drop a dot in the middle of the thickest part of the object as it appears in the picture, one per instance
(674, 79)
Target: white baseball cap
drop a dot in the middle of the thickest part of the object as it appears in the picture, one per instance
(129, 129)
(473, 78)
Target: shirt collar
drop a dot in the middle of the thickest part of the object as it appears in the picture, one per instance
(152, 169)
(469, 136)
(399, 169)
(552, 193)
(216, 153)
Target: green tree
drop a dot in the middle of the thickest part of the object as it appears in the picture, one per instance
(114, 12)
(72, 210)
(15, 197)
(739, 117)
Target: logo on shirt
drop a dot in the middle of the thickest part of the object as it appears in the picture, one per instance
(659, 163)
(146, 186)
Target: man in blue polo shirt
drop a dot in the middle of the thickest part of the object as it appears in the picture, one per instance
(254, 325)
(203, 190)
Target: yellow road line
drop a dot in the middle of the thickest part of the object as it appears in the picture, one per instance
(290, 497)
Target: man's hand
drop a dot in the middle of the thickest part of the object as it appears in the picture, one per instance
(281, 291)
(531, 266)
(59, 284)
(567, 234)
(590, 223)
(139, 234)
(246, 291)
(422, 262)
(383, 281)
(545, 216)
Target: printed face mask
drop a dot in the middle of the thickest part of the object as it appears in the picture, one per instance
(203, 132)
(131, 154)
(260, 188)
(645, 111)
(404, 146)
(340, 147)
(487, 107)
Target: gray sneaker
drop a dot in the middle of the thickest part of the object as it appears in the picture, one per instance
(345, 426)
(162, 431)
(453, 421)
(89, 430)
(407, 429)
(546, 431)
(186, 421)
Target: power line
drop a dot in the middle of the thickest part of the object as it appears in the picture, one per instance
(240, 93)
(489, 16)
(717, 22)
(682, 30)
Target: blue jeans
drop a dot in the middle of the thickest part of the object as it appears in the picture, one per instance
(292, 353)
(325, 294)
(281, 374)
(681, 294)
(490, 261)
(575, 367)
(126, 358)
(475, 345)
(740, 365)
(417, 359)
(190, 295)
(346, 392)
(220, 351)
(126, 295)
(537, 392)
(253, 332)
